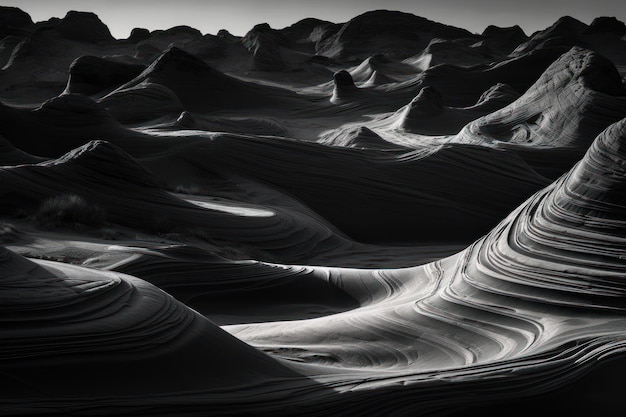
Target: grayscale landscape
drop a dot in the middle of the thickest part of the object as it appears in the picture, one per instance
(385, 216)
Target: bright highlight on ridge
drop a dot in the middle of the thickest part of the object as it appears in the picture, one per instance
(361, 213)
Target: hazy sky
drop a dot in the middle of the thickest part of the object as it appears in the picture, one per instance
(238, 16)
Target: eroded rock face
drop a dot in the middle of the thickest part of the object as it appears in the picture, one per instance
(265, 43)
(504, 39)
(386, 31)
(138, 35)
(90, 74)
(14, 21)
(305, 29)
(574, 100)
(426, 114)
(607, 25)
(447, 231)
(345, 89)
(84, 26)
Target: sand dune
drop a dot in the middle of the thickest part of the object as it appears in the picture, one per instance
(110, 327)
(388, 216)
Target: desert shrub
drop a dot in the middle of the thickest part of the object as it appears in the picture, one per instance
(69, 210)
(192, 189)
(8, 233)
(110, 233)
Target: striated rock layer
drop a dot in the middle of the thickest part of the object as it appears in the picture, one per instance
(546, 283)
(383, 217)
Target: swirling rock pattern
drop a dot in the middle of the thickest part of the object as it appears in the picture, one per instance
(117, 334)
(544, 284)
(225, 228)
(546, 114)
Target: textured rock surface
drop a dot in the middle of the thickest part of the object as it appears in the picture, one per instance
(382, 217)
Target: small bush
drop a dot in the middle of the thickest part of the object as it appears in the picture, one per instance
(8, 233)
(192, 189)
(110, 233)
(69, 210)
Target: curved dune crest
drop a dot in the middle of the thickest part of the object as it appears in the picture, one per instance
(142, 102)
(10, 155)
(116, 334)
(234, 292)
(576, 226)
(545, 283)
(241, 125)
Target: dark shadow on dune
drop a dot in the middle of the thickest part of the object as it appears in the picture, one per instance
(232, 166)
